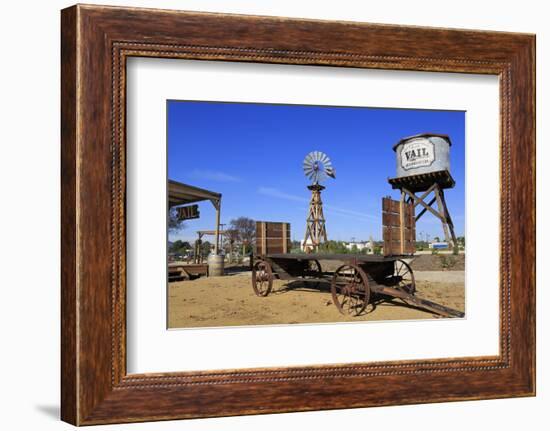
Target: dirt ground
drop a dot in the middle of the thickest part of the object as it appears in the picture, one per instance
(438, 262)
(230, 301)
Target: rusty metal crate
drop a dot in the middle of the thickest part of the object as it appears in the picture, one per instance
(272, 237)
(398, 227)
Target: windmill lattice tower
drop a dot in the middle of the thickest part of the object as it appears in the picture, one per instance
(317, 167)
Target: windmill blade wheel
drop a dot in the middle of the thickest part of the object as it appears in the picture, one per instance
(317, 167)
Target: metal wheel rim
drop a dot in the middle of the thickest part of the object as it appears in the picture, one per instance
(315, 265)
(350, 290)
(405, 276)
(314, 269)
(262, 278)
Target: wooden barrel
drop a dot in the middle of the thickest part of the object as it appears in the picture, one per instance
(215, 265)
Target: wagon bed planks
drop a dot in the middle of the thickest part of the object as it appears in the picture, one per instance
(329, 256)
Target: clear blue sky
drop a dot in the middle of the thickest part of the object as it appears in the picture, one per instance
(253, 153)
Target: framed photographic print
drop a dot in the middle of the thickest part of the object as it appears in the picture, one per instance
(268, 215)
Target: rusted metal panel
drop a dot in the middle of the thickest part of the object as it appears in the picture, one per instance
(274, 242)
(390, 206)
(391, 234)
(394, 234)
(271, 248)
(389, 219)
(272, 237)
(398, 230)
(277, 231)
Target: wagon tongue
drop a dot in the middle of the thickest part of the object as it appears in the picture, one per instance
(437, 308)
(422, 303)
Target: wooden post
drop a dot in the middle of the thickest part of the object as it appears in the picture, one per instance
(418, 201)
(441, 209)
(285, 248)
(217, 242)
(421, 213)
(198, 249)
(442, 212)
(450, 224)
(264, 237)
(402, 222)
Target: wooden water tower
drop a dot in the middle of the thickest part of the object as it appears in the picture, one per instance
(423, 173)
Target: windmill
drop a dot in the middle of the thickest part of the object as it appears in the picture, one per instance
(317, 168)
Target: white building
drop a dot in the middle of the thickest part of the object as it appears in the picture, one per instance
(307, 246)
(361, 246)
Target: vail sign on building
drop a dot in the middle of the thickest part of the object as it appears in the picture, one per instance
(417, 153)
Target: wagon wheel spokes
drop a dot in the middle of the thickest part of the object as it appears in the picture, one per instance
(262, 278)
(404, 277)
(313, 270)
(350, 290)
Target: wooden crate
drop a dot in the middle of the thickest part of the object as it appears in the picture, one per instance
(398, 227)
(272, 237)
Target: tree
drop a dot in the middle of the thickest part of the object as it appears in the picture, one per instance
(205, 248)
(244, 230)
(180, 246)
(174, 223)
(231, 236)
(331, 246)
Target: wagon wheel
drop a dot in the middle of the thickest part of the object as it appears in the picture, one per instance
(403, 277)
(350, 290)
(314, 270)
(262, 278)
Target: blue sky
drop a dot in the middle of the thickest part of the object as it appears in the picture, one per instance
(253, 153)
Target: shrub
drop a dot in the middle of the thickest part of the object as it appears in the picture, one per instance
(447, 262)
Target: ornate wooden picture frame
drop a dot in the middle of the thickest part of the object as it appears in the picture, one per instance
(96, 42)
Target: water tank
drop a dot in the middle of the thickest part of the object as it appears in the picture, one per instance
(215, 265)
(421, 154)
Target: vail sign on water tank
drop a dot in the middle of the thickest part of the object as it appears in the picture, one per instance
(422, 154)
(417, 153)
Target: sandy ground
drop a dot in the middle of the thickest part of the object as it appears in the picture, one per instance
(230, 301)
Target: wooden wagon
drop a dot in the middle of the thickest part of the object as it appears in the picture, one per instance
(353, 284)
(359, 277)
